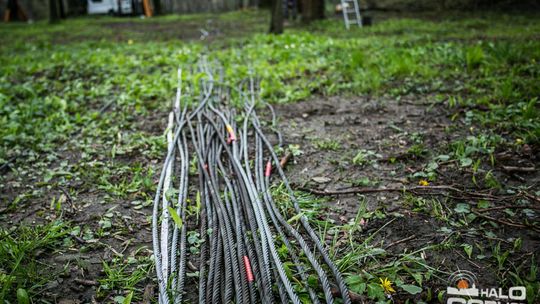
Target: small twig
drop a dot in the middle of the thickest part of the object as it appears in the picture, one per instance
(148, 294)
(112, 249)
(68, 197)
(415, 190)
(400, 241)
(128, 224)
(373, 190)
(469, 260)
(514, 175)
(350, 191)
(502, 222)
(7, 163)
(508, 207)
(518, 169)
(127, 243)
(447, 237)
(355, 298)
(85, 282)
(532, 197)
(79, 239)
(283, 162)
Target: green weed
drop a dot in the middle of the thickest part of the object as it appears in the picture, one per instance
(474, 57)
(364, 157)
(328, 144)
(126, 275)
(19, 248)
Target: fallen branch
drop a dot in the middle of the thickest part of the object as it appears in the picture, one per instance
(504, 222)
(400, 241)
(285, 159)
(85, 282)
(355, 298)
(518, 169)
(148, 294)
(532, 197)
(508, 207)
(420, 190)
(375, 190)
(79, 239)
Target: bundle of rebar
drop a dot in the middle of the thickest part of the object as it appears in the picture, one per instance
(218, 178)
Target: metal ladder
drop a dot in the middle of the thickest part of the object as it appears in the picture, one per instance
(350, 9)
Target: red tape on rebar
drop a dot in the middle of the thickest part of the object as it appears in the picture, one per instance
(268, 169)
(249, 274)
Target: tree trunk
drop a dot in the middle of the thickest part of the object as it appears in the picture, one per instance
(11, 11)
(53, 11)
(276, 24)
(157, 7)
(264, 3)
(62, 9)
(320, 7)
(307, 11)
(312, 10)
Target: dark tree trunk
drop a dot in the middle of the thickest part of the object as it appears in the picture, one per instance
(157, 7)
(53, 11)
(264, 3)
(307, 10)
(319, 9)
(276, 24)
(12, 9)
(62, 9)
(312, 10)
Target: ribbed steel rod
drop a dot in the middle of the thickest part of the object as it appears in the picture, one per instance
(241, 230)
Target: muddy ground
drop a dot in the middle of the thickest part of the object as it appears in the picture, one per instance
(384, 125)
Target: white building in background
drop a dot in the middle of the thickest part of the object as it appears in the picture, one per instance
(116, 7)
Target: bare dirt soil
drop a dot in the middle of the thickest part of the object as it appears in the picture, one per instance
(384, 126)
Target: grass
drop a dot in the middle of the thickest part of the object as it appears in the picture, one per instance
(123, 275)
(363, 261)
(64, 84)
(327, 144)
(366, 259)
(79, 101)
(19, 249)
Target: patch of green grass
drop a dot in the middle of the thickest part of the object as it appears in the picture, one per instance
(417, 149)
(19, 248)
(327, 144)
(364, 157)
(59, 85)
(363, 260)
(125, 276)
(474, 57)
(364, 182)
(465, 151)
(432, 206)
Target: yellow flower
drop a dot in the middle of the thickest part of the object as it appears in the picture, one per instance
(386, 284)
(519, 141)
(423, 182)
(130, 41)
